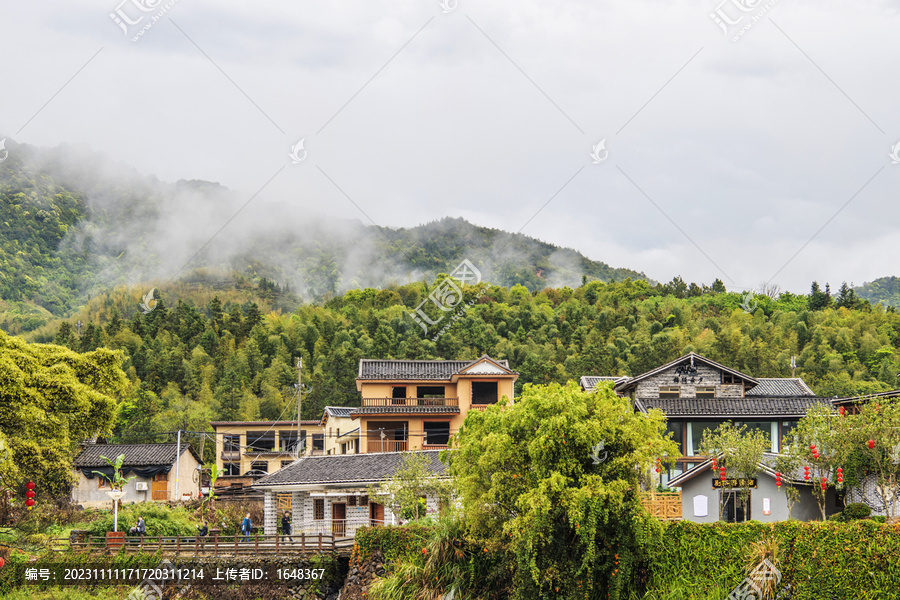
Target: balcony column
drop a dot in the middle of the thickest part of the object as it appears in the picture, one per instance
(298, 507)
(270, 512)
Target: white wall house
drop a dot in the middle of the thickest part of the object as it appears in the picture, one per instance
(154, 466)
(329, 494)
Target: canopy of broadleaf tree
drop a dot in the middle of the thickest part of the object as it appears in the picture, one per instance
(532, 476)
(50, 399)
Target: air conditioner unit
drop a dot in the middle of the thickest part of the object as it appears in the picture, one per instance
(140, 486)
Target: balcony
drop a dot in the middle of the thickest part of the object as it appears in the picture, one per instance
(231, 455)
(377, 445)
(410, 402)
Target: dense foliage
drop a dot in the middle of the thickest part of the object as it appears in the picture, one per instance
(557, 477)
(51, 399)
(885, 290)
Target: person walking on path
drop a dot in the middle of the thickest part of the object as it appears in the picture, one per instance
(245, 528)
(286, 527)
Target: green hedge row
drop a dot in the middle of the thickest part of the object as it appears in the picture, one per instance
(860, 559)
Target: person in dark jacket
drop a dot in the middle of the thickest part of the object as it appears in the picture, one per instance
(203, 529)
(286, 527)
(245, 528)
(140, 528)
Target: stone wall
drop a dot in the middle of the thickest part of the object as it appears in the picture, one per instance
(361, 575)
(649, 388)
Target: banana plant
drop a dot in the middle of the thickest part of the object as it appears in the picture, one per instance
(117, 482)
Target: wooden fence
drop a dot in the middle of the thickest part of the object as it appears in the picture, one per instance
(214, 545)
(666, 507)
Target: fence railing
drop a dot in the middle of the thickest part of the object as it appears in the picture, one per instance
(379, 445)
(338, 528)
(410, 402)
(666, 507)
(212, 545)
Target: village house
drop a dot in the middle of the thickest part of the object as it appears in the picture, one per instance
(406, 406)
(156, 468)
(330, 494)
(419, 404)
(340, 429)
(705, 498)
(248, 450)
(698, 394)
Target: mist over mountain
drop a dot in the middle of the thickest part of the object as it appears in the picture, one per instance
(77, 223)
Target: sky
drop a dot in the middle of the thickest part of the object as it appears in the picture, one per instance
(747, 140)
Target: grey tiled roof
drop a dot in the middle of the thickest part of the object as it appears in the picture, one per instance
(589, 382)
(338, 411)
(780, 386)
(400, 410)
(416, 370)
(689, 357)
(135, 454)
(767, 406)
(347, 468)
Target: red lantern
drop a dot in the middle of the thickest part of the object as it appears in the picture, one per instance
(871, 444)
(2, 562)
(29, 494)
(29, 503)
(806, 473)
(812, 447)
(842, 411)
(715, 464)
(722, 473)
(824, 483)
(30, 485)
(840, 475)
(777, 479)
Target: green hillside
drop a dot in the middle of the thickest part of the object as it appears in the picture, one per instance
(885, 290)
(76, 224)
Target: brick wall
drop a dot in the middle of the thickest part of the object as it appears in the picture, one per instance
(649, 388)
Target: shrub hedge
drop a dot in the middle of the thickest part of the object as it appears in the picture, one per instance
(820, 560)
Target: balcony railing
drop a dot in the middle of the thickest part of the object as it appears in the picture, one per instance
(410, 402)
(379, 445)
(231, 455)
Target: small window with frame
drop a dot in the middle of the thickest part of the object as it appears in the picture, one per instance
(705, 391)
(318, 509)
(670, 391)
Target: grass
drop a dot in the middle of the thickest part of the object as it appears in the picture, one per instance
(114, 593)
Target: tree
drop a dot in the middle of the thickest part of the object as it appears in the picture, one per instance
(737, 450)
(557, 477)
(53, 398)
(116, 481)
(820, 444)
(879, 421)
(406, 490)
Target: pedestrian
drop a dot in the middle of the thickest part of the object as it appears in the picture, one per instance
(204, 529)
(245, 528)
(140, 528)
(286, 527)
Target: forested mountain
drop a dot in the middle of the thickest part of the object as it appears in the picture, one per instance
(75, 224)
(885, 290)
(230, 360)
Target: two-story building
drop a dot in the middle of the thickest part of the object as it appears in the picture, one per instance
(419, 404)
(698, 394)
(248, 450)
(408, 407)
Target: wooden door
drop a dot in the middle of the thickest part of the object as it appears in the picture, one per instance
(338, 519)
(376, 514)
(160, 487)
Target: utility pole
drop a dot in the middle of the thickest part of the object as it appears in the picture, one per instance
(299, 392)
(793, 365)
(177, 463)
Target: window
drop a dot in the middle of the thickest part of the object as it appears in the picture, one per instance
(351, 500)
(677, 430)
(398, 393)
(344, 448)
(231, 468)
(695, 434)
(260, 465)
(669, 391)
(318, 509)
(318, 442)
(261, 441)
(436, 391)
(231, 443)
(287, 441)
(733, 507)
(302, 441)
(437, 433)
(103, 483)
(363, 500)
(706, 392)
(484, 392)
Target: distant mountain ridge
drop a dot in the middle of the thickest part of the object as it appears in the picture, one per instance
(885, 290)
(76, 223)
